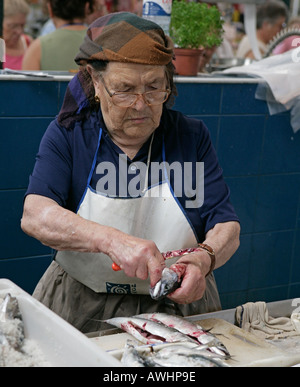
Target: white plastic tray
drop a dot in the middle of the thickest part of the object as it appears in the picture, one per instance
(61, 344)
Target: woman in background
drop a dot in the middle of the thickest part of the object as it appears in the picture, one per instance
(56, 50)
(99, 9)
(15, 15)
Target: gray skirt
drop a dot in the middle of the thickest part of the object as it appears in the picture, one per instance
(86, 310)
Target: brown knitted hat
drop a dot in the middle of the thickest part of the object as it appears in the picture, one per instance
(125, 37)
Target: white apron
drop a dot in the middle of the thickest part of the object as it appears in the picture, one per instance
(156, 216)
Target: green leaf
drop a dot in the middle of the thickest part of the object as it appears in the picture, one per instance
(195, 25)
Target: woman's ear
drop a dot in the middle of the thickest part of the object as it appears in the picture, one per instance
(89, 70)
(87, 9)
(49, 9)
(92, 74)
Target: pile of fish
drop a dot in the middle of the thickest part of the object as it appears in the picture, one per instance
(170, 355)
(15, 350)
(185, 343)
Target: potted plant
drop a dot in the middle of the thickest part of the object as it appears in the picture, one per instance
(194, 27)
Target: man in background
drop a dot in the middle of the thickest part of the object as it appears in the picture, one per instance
(271, 18)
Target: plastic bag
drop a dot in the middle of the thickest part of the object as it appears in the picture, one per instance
(282, 88)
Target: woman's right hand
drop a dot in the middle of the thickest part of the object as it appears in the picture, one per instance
(136, 257)
(61, 229)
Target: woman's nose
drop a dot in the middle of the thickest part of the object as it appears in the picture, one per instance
(140, 102)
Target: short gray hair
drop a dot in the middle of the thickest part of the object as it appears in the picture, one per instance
(270, 12)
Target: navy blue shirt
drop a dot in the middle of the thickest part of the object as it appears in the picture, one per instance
(66, 157)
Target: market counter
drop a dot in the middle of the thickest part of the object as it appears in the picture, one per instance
(259, 154)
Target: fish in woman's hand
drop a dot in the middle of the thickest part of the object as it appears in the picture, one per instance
(170, 280)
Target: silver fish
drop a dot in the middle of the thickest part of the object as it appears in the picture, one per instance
(170, 355)
(175, 357)
(147, 331)
(10, 313)
(131, 357)
(3, 339)
(9, 309)
(166, 285)
(190, 329)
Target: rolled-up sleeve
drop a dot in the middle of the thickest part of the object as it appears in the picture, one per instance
(52, 172)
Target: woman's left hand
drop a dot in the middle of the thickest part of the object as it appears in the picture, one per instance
(193, 283)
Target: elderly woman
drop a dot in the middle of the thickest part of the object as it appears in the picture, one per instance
(114, 181)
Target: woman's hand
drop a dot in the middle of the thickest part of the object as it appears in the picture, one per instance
(223, 238)
(61, 229)
(136, 257)
(193, 284)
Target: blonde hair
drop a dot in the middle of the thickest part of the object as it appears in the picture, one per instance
(12, 7)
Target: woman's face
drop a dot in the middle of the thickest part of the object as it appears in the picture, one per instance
(13, 28)
(130, 126)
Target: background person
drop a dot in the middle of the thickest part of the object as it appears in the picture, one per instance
(56, 50)
(99, 9)
(15, 16)
(115, 116)
(271, 18)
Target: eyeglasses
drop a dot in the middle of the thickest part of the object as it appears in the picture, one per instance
(151, 98)
(15, 26)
